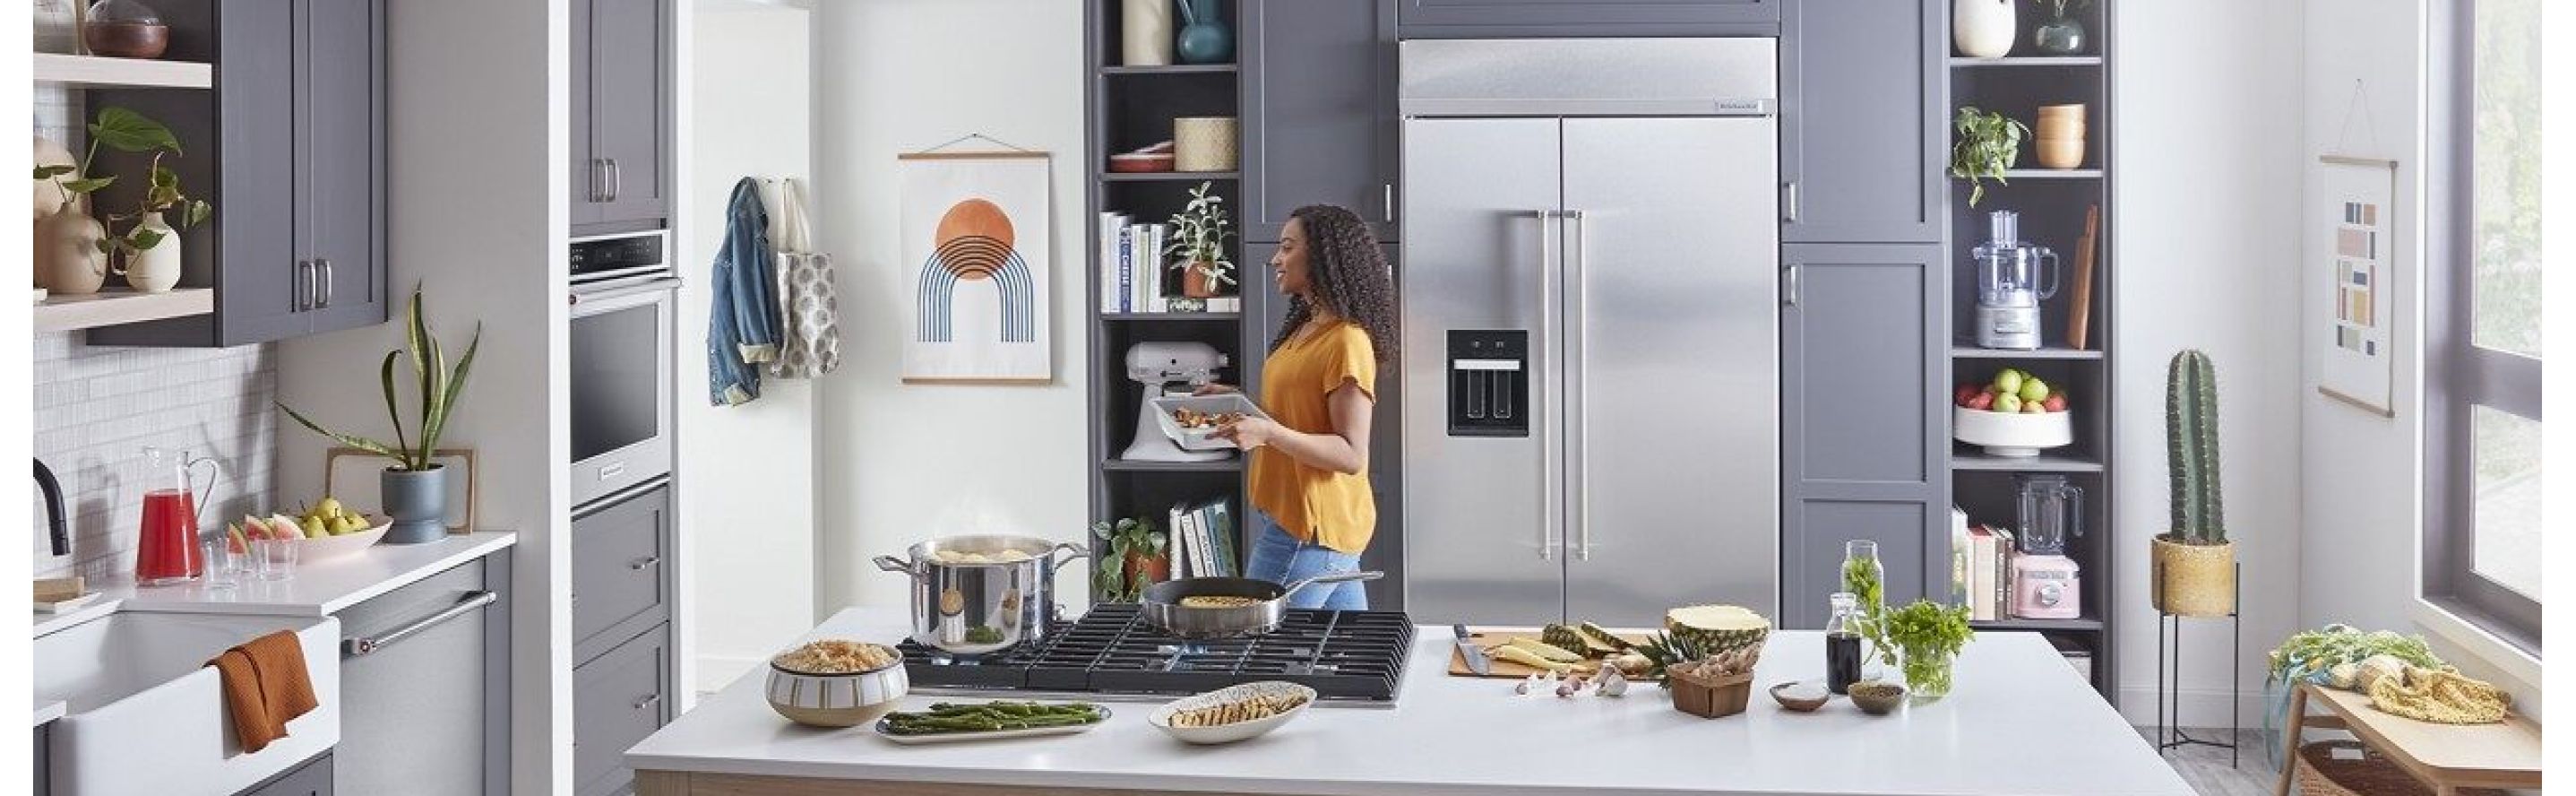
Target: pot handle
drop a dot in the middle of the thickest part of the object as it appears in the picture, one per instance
(1072, 550)
(893, 564)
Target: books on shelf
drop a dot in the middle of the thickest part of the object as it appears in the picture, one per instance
(1203, 540)
(1958, 556)
(1990, 553)
(1133, 276)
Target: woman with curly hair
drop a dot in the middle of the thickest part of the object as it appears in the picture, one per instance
(1309, 479)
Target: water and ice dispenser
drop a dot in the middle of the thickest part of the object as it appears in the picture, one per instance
(1489, 383)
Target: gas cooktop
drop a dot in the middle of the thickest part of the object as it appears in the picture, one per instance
(1348, 657)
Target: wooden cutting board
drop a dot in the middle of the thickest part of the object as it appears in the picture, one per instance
(1490, 637)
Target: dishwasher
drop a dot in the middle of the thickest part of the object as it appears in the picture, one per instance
(424, 674)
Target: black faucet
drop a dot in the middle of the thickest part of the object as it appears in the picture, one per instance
(54, 520)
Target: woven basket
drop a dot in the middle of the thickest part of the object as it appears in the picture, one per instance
(2323, 773)
(1713, 697)
(1204, 143)
(2194, 580)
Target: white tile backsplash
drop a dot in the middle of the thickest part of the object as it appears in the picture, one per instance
(98, 407)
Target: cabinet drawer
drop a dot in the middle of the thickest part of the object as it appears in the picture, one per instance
(618, 698)
(311, 779)
(619, 557)
(1578, 18)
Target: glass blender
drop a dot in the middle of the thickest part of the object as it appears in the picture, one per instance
(2044, 578)
(2011, 281)
(166, 549)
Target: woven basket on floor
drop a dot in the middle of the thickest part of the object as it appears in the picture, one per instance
(2323, 773)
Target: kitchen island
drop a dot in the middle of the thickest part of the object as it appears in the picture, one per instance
(2020, 721)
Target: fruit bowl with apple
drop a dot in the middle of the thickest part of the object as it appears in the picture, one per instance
(326, 530)
(2015, 415)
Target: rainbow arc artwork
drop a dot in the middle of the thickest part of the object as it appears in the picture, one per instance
(975, 234)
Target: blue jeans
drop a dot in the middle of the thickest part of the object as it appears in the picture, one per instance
(1280, 558)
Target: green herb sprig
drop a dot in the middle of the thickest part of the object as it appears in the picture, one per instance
(1930, 634)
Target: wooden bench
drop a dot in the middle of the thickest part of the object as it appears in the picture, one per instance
(2447, 757)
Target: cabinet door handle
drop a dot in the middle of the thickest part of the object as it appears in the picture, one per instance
(1789, 285)
(648, 701)
(616, 180)
(645, 563)
(329, 285)
(1387, 201)
(363, 645)
(302, 295)
(1789, 201)
(598, 180)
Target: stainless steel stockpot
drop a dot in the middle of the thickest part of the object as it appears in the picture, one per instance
(965, 606)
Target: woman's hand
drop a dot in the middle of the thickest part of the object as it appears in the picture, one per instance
(1216, 389)
(1249, 433)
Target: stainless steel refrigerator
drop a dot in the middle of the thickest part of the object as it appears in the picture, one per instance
(1590, 311)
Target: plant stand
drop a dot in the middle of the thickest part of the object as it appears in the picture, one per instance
(2169, 733)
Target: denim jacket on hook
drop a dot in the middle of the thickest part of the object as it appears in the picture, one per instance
(742, 326)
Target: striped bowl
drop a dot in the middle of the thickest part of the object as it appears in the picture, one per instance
(836, 700)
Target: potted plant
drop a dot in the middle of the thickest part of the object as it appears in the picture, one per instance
(149, 266)
(1135, 557)
(415, 486)
(2195, 564)
(1923, 639)
(1988, 145)
(2060, 34)
(1198, 239)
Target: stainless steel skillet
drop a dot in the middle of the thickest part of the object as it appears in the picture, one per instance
(1268, 604)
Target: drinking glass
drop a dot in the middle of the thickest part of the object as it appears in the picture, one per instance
(223, 566)
(274, 559)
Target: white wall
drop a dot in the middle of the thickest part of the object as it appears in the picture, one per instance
(747, 474)
(2206, 117)
(904, 463)
(2361, 477)
(477, 135)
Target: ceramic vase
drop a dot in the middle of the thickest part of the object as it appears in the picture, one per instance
(1206, 39)
(417, 502)
(1145, 32)
(2058, 36)
(154, 270)
(1195, 282)
(68, 255)
(49, 197)
(1983, 28)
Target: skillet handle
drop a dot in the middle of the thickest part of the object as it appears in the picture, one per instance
(1331, 577)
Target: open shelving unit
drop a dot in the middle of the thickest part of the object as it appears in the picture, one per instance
(110, 306)
(92, 71)
(1130, 107)
(2052, 204)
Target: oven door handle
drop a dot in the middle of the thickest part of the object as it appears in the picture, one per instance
(585, 298)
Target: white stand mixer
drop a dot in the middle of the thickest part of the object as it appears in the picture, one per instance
(1158, 366)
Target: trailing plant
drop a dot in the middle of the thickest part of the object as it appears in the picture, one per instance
(1134, 536)
(2057, 8)
(124, 130)
(2191, 450)
(1199, 232)
(439, 387)
(1988, 145)
(1930, 635)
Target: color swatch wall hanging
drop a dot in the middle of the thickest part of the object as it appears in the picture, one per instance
(976, 238)
(2352, 244)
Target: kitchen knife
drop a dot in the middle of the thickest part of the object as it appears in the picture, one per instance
(1477, 661)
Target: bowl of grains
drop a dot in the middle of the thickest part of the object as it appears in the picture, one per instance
(836, 682)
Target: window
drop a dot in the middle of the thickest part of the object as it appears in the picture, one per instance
(2482, 340)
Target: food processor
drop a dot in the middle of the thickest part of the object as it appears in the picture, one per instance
(2010, 284)
(1157, 366)
(2044, 579)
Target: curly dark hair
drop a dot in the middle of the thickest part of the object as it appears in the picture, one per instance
(1348, 274)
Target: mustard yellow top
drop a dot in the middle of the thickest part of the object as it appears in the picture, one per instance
(1311, 503)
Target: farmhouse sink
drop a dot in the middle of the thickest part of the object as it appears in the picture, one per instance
(144, 714)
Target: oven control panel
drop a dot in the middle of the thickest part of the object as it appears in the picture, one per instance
(1489, 384)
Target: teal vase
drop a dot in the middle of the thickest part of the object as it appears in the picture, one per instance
(1205, 39)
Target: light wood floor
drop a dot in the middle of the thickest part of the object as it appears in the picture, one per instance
(2207, 770)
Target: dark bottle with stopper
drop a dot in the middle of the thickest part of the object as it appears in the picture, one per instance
(1842, 642)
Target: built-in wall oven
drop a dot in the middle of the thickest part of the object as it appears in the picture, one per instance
(624, 315)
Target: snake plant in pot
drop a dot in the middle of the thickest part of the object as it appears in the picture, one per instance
(2195, 563)
(415, 485)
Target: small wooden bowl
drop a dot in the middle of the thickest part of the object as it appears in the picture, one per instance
(1877, 697)
(1781, 694)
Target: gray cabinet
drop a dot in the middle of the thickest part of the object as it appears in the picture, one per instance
(1863, 341)
(619, 582)
(1563, 18)
(313, 778)
(618, 698)
(1319, 111)
(622, 125)
(1862, 137)
(290, 146)
(425, 686)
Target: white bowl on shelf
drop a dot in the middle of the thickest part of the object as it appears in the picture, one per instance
(2016, 435)
(347, 544)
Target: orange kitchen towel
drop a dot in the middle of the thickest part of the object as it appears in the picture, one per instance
(265, 685)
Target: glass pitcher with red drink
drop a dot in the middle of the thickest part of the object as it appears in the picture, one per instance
(167, 550)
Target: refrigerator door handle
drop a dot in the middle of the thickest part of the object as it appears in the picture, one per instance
(1576, 413)
(1551, 518)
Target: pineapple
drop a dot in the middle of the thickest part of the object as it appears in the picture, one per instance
(1717, 629)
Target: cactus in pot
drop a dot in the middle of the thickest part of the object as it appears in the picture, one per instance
(2195, 564)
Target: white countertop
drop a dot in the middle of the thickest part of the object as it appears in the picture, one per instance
(319, 588)
(50, 711)
(2019, 721)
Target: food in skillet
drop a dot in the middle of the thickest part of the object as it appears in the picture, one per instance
(1217, 601)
